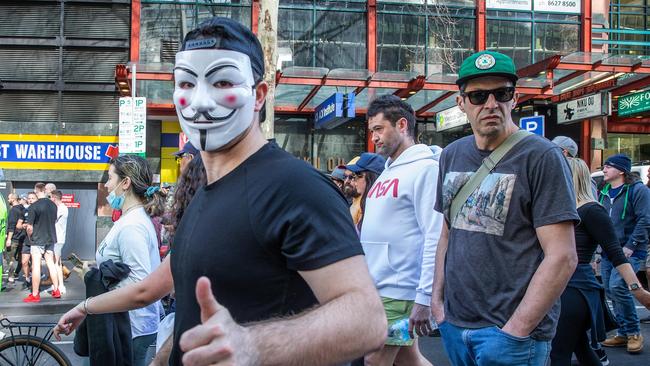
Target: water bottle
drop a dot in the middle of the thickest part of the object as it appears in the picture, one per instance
(400, 330)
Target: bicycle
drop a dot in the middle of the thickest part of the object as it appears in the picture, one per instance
(24, 347)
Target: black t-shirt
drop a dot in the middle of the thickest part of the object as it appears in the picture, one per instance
(251, 231)
(16, 213)
(596, 228)
(42, 216)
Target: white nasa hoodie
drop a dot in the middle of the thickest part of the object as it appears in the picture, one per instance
(400, 228)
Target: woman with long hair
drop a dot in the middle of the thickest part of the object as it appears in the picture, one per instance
(157, 284)
(582, 312)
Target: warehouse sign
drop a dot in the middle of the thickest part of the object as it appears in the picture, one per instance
(634, 103)
(582, 108)
(57, 152)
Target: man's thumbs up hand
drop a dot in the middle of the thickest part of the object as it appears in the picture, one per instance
(208, 304)
(218, 340)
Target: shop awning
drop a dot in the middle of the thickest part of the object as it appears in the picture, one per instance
(300, 89)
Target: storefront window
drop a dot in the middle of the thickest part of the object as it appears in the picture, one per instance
(637, 147)
(339, 145)
(163, 25)
(324, 149)
(331, 34)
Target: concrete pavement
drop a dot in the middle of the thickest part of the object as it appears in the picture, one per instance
(11, 298)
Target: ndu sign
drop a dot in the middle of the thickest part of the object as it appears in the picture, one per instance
(534, 124)
(334, 111)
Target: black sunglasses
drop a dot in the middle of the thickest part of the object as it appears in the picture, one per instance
(502, 95)
(352, 176)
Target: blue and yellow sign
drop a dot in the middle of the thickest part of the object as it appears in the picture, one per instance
(57, 152)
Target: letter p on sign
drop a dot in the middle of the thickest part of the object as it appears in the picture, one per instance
(534, 124)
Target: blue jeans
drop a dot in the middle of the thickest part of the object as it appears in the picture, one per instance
(141, 353)
(623, 301)
(491, 346)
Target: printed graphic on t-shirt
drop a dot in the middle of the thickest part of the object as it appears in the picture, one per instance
(486, 208)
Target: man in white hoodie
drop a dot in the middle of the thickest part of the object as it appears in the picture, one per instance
(400, 229)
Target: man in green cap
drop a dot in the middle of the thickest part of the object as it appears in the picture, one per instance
(513, 224)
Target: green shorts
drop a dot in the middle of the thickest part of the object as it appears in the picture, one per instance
(397, 310)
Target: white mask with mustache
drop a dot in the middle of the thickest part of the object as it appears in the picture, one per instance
(214, 95)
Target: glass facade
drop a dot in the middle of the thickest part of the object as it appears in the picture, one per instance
(622, 27)
(163, 24)
(424, 39)
(330, 34)
(636, 146)
(324, 149)
(529, 36)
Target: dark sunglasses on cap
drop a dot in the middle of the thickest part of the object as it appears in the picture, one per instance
(501, 95)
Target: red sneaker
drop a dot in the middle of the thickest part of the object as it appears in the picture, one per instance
(32, 298)
(56, 294)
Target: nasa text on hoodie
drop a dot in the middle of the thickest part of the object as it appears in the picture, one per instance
(401, 229)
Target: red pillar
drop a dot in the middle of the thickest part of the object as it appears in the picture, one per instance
(585, 24)
(136, 6)
(585, 141)
(481, 32)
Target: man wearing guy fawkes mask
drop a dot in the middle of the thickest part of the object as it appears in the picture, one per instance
(263, 243)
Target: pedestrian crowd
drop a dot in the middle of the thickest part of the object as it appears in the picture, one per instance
(35, 230)
(271, 262)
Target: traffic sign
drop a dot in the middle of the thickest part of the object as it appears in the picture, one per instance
(534, 124)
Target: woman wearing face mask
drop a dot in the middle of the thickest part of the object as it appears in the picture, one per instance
(133, 241)
(157, 284)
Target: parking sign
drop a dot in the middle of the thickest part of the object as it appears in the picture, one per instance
(534, 124)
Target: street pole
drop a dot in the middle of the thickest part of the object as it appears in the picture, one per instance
(268, 35)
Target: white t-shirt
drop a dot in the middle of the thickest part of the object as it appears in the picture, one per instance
(61, 222)
(132, 240)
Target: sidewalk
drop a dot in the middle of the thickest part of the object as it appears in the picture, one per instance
(11, 298)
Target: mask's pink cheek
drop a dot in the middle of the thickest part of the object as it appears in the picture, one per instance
(183, 102)
(231, 99)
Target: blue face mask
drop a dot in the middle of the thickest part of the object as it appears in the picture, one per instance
(116, 202)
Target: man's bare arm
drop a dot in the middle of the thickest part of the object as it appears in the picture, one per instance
(550, 279)
(349, 323)
(437, 293)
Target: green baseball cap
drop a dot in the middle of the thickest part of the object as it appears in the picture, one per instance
(486, 63)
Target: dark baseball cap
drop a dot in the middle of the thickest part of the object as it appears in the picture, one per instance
(338, 173)
(368, 161)
(487, 63)
(188, 148)
(227, 34)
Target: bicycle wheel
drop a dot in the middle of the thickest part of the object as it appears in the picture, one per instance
(24, 350)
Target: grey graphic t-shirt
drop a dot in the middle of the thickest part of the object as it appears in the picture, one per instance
(493, 247)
